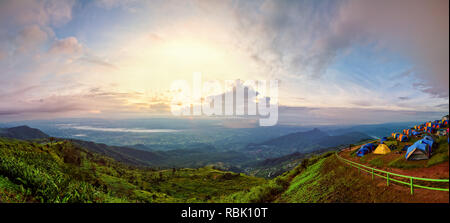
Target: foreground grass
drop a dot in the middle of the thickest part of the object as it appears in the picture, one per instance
(440, 155)
(325, 179)
(62, 172)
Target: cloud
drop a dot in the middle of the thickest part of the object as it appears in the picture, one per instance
(2, 54)
(443, 106)
(42, 13)
(69, 45)
(98, 61)
(363, 103)
(160, 107)
(94, 101)
(124, 4)
(305, 38)
(300, 42)
(344, 116)
(91, 128)
(418, 30)
(30, 37)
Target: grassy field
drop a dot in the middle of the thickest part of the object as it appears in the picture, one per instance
(63, 172)
(325, 179)
(396, 159)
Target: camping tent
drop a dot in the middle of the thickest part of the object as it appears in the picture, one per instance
(363, 151)
(367, 148)
(403, 138)
(442, 132)
(427, 140)
(408, 131)
(382, 149)
(418, 151)
(384, 139)
(405, 148)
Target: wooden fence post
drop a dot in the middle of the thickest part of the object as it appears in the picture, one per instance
(387, 178)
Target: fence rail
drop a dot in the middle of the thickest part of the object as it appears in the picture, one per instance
(389, 176)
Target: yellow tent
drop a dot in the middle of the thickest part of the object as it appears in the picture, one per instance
(382, 149)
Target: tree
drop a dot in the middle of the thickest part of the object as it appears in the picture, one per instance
(52, 139)
(174, 171)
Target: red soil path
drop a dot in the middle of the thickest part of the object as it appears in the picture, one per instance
(439, 171)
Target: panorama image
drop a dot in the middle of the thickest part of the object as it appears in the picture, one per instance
(224, 101)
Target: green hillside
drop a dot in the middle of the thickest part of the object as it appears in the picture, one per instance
(64, 172)
(57, 171)
(325, 179)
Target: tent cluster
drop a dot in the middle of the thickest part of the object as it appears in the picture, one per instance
(370, 147)
(365, 149)
(420, 150)
(402, 137)
(395, 135)
(427, 127)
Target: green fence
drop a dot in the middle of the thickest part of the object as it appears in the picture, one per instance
(389, 176)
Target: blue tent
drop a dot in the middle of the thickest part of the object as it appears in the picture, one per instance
(363, 151)
(370, 146)
(414, 133)
(418, 151)
(404, 138)
(367, 148)
(383, 139)
(405, 148)
(428, 142)
(428, 138)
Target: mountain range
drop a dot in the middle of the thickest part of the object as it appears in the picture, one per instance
(303, 142)
(244, 160)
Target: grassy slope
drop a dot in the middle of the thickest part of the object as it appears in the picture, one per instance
(63, 172)
(325, 179)
(397, 160)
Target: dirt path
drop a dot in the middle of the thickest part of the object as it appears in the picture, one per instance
(420, 195)
(439, 171)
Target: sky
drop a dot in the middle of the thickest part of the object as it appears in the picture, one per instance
(337, 62)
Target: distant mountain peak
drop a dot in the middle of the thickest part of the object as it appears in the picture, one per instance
(315, 130)
(23, 132)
